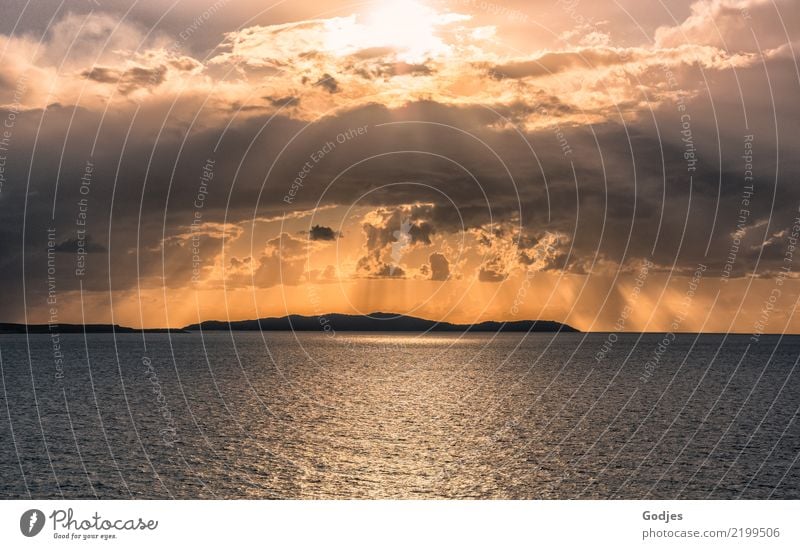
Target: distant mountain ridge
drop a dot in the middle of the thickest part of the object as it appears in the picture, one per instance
(375, 322)
(11, 328)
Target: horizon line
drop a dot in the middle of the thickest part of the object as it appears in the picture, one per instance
(196, 326)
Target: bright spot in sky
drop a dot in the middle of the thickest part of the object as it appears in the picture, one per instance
(408, 27)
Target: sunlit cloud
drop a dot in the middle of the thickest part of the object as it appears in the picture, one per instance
(482, 162)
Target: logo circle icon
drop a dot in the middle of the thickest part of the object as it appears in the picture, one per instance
(31, 522)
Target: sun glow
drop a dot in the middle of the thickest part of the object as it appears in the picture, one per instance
(407, 26)
(410, 28)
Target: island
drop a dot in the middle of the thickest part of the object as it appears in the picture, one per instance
(375, 322)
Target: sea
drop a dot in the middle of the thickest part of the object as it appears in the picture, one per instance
(336, 415)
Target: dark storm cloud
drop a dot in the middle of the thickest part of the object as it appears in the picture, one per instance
(328, 83)
(318, 232)
(283, 101)
(439, 267)
(421, 232)
(72, 245)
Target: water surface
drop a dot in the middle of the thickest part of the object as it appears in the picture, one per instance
(283, 415)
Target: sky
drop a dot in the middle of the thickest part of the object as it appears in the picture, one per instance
(616, 165)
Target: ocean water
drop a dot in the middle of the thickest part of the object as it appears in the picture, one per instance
(283, 415)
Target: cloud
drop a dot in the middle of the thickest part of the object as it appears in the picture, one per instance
(491, 272)
(80, 40)
(567, 160)
(73, 245)
(551, 63)
(285, 101)
(508, 249)
(439, 267)
(328, 83)
(391, 234)
(373, 266)
(283, 261)
(388, 70)
(318, 232)
(734, 25)
(129, 80)
(324, 65)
